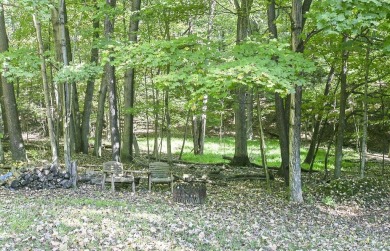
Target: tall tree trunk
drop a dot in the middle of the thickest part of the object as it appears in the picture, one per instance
(46, 92)
(57, 90)
(281, 104)
(90, 89)
(129, 87)
(1, 137)
(66, 99)
(100, 118)
(343, 105)
(241, 147)
(11, 110)
(109, 71)
(263, 147)
(249, 110)
(168, 119)
(365, 113)
(295, 110)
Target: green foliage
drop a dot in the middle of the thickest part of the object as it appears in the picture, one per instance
(77, 73)
(20, 63)
(350, 16)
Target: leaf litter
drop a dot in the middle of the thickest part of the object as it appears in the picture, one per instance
(241, 215)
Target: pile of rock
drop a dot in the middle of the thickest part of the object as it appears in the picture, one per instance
(47, 177)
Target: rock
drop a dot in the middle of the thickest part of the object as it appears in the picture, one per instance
(66, 184)
(15, 184)
(54, 169)
(24, 182)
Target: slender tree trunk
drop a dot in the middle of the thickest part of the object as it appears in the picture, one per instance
(90, 90)
(1, 136)
(315, 137)
(365, 114)
(249, 110)
(281, 104)
(195, 133)
(100, 118)
(129, 87)
(46, 92)
(11, 110)
(241, 148)
(263, 147)
(156, 105)
(343, 105)
(282, 108)
(168, 119)
(185, 134)
(109, 71)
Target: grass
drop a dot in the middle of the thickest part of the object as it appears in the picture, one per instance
(215, 148)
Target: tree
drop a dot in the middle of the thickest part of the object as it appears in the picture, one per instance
(240, 151)
(85, 128)
(46, 92)
(281, 104)
(66, 98)
(10, 106)
(129, 89)
(109, 72)
(297, 26)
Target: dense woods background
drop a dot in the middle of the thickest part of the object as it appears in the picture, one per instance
(88, 73)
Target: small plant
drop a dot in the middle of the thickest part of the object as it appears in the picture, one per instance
(329, 201)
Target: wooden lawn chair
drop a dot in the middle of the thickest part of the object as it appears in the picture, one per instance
(160, 172)
(115, 170)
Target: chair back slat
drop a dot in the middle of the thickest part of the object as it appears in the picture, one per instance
(159, 170)
(113, 167)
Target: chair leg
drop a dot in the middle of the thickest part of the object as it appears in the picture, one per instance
(133, 186)
(150, 183)
(112, 184)
(103, 181)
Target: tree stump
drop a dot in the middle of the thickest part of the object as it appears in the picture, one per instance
(189, 192)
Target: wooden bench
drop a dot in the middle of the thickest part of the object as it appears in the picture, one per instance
(160, 172)
(115, 170)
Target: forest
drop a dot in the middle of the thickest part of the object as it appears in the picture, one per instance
(290, 98)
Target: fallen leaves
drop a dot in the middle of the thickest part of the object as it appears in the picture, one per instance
(239, 216)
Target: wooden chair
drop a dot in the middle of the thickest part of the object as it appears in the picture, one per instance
(160, 172)
(115, 170)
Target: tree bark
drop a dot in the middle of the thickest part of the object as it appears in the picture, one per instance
(343, 105)
(281, 104)
(100, 118)
(46, 92)
(241, 148)
(90, 90)
(295, 111)
(58, 90)
(109, 71)
(129, 89)
(66, 98)
(11, 110)
(263, 146)
(365, 114)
